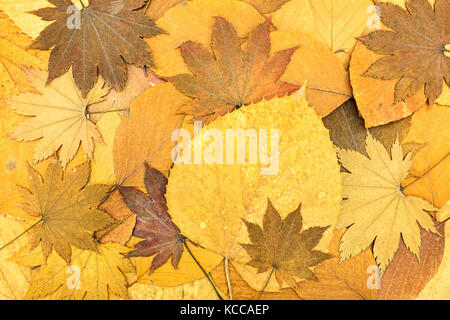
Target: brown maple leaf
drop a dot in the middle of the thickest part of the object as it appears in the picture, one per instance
(67, 208)
(232, 76)
(153, 221)
(415, 47)
(282, 247)
(107, 34)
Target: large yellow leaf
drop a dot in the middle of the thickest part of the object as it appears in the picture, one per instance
(375, 209)
(14, 56)
(327, 81)
(14, 278)
(335, 23)
(209, 201)
(429, 176)
(58, 117)
(194, 21)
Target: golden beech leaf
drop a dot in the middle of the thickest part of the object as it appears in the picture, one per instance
(193, 21)
(14, 278)
(336, 23)
(444, 98)
(233, 76)
(342, 281)
(407, 275)
(195, 290)
(283, 247)
(327, 81)
(146, 136)
(374, 97)
(97, 274)
(65, 207)
(58, 117)
(413, 50)
(14, 57)
(240, 290)
(209, 198)
(373, 186)
(428, 177)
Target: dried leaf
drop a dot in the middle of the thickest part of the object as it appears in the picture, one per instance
(336, 23)
(107, 34)
(232, 77)
(153, 222)
(66, 208)
(283, 246)
(428, 177)
(373, 186)
(208, 201)
(407, 274)
(267, 6)
(327, 84)
(413, 48)
(342, 281)
(146, 136)
(92, 275)
(59, 117)
(15, 55)
(155, 9)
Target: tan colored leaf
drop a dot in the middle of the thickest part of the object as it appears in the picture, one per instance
(267, 6)
(373, 187)
(58, 117)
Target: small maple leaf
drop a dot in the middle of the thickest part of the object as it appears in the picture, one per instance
(375, 208)
(233, 76)
(281, 246)
(66, 207)
(59, 117)
(153, 221)
(108, 33)
(416, 47)
(267, 6)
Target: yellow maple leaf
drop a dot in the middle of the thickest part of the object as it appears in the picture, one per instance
(59, 117)
(14, 56)
(95, 274)
(376, 209)
(336, 23)
(208, 200)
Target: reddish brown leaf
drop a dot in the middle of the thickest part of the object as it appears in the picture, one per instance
(414, 49)
(233, 76)
(108, 33)
(153, 221)
(406, 276)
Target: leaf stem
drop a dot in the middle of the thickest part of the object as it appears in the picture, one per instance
(25, 231)
(201, 268)
(265, 285)
(227, 274)
(108, 111)
(147, 5)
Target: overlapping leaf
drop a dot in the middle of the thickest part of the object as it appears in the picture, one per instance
(232, 77)
(99, 38)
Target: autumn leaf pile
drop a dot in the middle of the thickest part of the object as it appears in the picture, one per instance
(111, 190)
